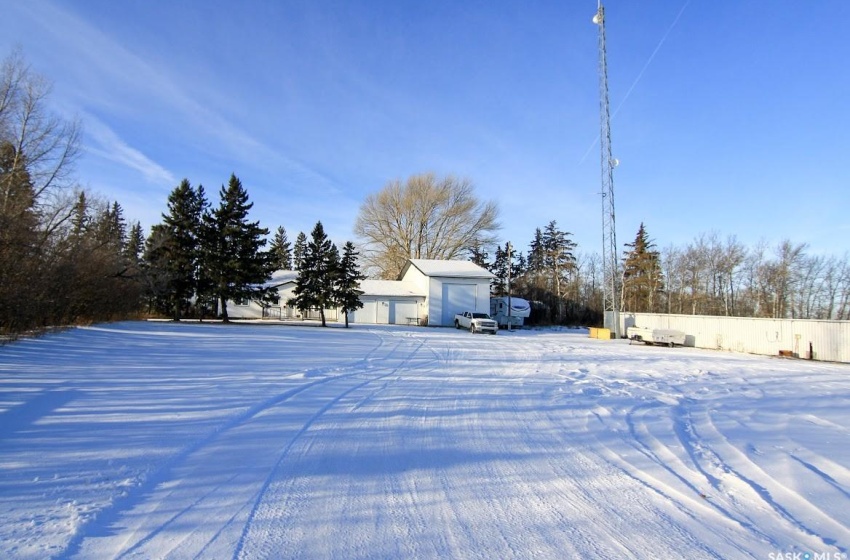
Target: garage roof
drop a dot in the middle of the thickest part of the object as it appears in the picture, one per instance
(450, 269)
(394, 288)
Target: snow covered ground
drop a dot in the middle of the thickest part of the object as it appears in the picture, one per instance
(160, 440)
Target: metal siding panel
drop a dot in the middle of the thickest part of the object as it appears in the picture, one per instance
(830, 340)
(482, 296)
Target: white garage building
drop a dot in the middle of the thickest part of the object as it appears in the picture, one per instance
(390, 302)
(450, 287)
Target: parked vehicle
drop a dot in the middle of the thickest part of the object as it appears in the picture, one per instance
(646, 335)
(476, 322)
(509, 311)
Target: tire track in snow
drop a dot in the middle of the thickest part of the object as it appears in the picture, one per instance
(585, 459)
(133, 497)
(706, 510)
(558, 502)
(789, 507)
(261, 496)
(258, 496)
(648, 508)
(820, 471)
(567, 505)
(138, 545)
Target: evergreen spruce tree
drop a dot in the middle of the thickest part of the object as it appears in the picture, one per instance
(499, 284)
(80, 218)
(642, 276)
(108, 240)
(281, 250)
(111, 228)
(536, 253)
(547, 272)
(531, 283)
(178, 246)
(479, 256)
(234, 260)
(314, 288)
(298, 250)
(209, 247)
(347, 292)
(559, 259)
(135, 245)
(156, 275)
(560, 262)
(131, 257)
(518, 266)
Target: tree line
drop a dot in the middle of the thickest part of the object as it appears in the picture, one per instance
(712, 276)
(66, 257)
(709, 276)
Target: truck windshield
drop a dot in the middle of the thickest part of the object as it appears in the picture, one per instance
(480, 316)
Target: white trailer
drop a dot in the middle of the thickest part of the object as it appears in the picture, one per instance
(668, 337)
(520, 310)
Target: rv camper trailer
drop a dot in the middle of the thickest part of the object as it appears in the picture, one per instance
(520, 309)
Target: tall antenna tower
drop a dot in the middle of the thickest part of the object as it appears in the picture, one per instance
(610, 287)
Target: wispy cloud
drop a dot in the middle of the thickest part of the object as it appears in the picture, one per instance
(118, 80)
(109, 145)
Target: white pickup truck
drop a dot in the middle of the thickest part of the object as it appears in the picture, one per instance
(476, 322)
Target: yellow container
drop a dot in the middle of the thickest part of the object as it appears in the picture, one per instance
(594, 332)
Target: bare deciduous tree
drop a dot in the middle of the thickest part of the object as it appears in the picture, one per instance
(425, 217)
(62, 257)
(44, 144)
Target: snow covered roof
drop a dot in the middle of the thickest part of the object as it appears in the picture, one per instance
(452, 269)
(280, 277)
(390, 288)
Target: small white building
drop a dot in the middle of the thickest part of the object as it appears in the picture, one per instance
(390, 302)
(450, 287)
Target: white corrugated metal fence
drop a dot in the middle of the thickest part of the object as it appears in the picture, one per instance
(826, 340)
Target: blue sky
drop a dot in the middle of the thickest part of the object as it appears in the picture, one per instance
(731, 116)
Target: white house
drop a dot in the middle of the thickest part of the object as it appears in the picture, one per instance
(284, 281)
(450, 286)
(429, 292)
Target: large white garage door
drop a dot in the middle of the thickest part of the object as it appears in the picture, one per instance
(400, 311)
(457, 298)
(365, 314)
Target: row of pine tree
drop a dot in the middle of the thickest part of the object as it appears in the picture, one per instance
(201, 257)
